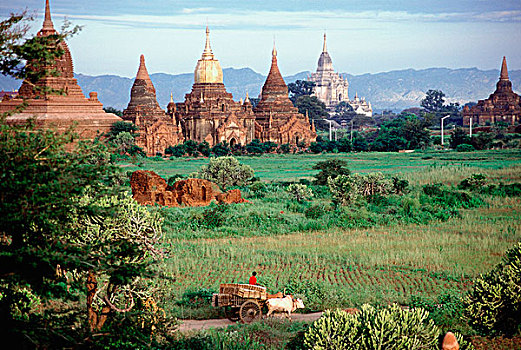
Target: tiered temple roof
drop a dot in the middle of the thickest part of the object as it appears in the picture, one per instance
(277, 120)
(504, 105)
(59, 110)
(157, 130)
(209, 112)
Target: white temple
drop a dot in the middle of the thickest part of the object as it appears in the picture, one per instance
(331, 88)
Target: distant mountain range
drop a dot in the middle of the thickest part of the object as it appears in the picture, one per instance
(394, 90)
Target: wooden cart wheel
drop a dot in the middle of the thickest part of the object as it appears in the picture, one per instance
(250, 311)
(231, 313)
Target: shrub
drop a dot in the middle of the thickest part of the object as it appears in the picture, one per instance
(474, 182)
(494, 303)
(225, 172)
(386, 328)
(330, 168)
(344, 189)
(464, 147)
(299, 192)
(315, 211)
(214, 216)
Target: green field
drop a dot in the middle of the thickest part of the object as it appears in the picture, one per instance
(379, 259)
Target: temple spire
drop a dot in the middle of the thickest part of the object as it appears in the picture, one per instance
(504, 70)
(48, 26)
(207, 53)
(274, 51)
(324, 48)
(171, 97)
(142, 74)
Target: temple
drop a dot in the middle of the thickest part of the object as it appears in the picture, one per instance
(504, 105)
(277, 120)
(209, 112)
(60, 111)
(156, 130)
(332, 89)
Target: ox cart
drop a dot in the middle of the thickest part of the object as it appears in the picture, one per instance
(241, 301)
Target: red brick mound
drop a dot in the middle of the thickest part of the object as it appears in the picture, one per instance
(148, 188)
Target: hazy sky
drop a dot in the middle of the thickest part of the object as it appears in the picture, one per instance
(363, 36)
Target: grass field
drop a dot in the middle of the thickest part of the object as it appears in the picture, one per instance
(334, 266)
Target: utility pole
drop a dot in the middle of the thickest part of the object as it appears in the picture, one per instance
(330, 130)
(442, 119)
(470, 126)
(352, 120)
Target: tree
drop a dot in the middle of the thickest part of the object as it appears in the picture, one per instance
(204, 148)
(122, 126)
(300, 88)
(405, 132)
(299, 192)
(225, 172)
(51, 189)
(113, 111)
(313, 107)
(433, 101)
(221, 149)
(330, 168)
(191, 148)
(458, 137)
(123, 142)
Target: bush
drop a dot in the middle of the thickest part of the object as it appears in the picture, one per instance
(474, 182)
(344, 189)
(225, 172)
(464, 147)
(299, 192)
(315, 211)
(494, 304)
(386, 328)
(330, 168)
(213, 217)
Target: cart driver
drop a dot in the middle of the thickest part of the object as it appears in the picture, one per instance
(253, 279)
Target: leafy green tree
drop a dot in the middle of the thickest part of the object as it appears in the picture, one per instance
(113, 111)
(225, 172)
(315, 109)
(122, 126)
(221, 149)
(459, 136)
(191, 148)
(299, 192)
(123, 142)
(433, 101)
(204, 148)
(255, 147)
(405, 132)
(360, 143)
(176, 151)
(493, 306)
(330, 168)
(300, 88)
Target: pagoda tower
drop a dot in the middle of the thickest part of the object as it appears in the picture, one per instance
(277, 120)
(330, 87)
(209, 112)
(504, 105)
(59, 111)
(157, 130)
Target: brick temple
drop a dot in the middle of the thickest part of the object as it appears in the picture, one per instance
(504, 105)
(277, 120)
(157, 130)
(59, 111)
(209, 112)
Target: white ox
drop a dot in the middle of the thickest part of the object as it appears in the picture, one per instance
(286, 304)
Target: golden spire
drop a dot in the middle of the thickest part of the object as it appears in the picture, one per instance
(274, 51)
(208, 69)
(504, 70)
(171, 97)
(247, 99)
(324, 48)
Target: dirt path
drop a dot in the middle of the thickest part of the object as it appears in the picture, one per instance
(196, 325)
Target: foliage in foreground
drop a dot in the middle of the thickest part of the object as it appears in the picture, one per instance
(371, 329)
(494, 304)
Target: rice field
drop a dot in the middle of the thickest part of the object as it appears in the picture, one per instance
(335, 267)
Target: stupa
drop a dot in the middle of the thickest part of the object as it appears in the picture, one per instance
(277, 120)
(504, 105)
(157, 130)
(59, 111)
(209, 112)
